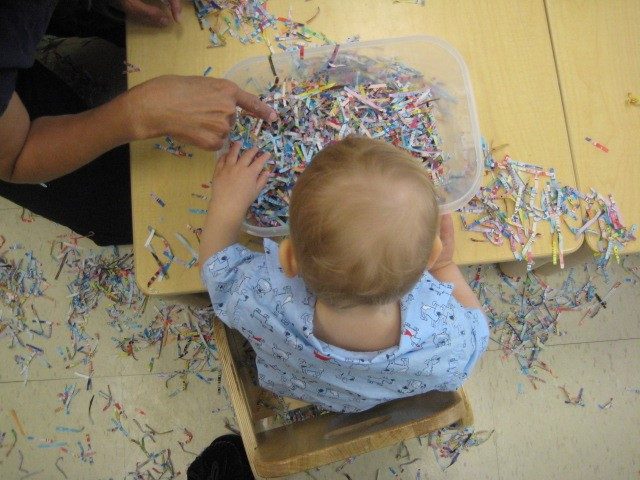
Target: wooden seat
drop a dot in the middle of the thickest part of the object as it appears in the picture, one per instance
(277, 447)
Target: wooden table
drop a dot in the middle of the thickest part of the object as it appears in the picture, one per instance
(597, 48)
(509, 55)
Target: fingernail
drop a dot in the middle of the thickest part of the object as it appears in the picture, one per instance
(273, 117)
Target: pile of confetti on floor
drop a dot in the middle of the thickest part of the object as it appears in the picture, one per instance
(101, 287)
(21, 279)
(97, 278)
(448, 444)
(525, 312)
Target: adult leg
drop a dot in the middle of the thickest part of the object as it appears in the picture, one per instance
(88, 18)
(91, 67)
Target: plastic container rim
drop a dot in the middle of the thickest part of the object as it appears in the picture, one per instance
(471, 107)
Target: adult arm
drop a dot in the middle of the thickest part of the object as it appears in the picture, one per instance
(49, 147)
(196, 110)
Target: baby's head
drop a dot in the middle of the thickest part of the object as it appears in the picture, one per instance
(364, 222)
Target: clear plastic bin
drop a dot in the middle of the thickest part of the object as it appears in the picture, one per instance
(442, 67)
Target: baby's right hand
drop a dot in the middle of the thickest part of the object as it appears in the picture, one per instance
(237, 181)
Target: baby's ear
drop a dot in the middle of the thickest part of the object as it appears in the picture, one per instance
(287, 258)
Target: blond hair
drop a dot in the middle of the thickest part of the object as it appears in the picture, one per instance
(363, 219)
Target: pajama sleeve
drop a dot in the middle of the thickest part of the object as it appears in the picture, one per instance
(230, 278)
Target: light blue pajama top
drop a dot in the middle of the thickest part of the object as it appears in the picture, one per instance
(441, 341)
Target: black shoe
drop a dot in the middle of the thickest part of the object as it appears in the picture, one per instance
(224, 459)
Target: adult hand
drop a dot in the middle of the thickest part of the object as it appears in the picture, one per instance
(447, 238)
(154, 15)
(197, 110)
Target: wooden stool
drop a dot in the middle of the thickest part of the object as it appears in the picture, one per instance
(276, 449)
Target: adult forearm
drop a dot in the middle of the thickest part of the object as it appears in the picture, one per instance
(58, 145)
(450, 273)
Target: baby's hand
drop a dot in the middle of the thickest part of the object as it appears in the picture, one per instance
(236, 184)
(237, 181)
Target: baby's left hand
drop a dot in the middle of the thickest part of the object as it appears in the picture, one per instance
(237, 181)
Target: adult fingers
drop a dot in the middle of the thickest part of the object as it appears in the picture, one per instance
(254, 106)
(231, 119)
(145, 13)
(176, 9)
(210, 142)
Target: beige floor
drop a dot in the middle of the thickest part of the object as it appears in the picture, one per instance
(536, 434)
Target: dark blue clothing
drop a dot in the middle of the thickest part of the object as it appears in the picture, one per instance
(94, 200)
(22, 25)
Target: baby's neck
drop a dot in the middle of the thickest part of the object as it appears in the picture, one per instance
(364, 328)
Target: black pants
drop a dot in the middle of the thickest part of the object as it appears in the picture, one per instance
(225, 459)
(96, 199)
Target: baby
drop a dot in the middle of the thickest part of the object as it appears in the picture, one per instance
(362, 304)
